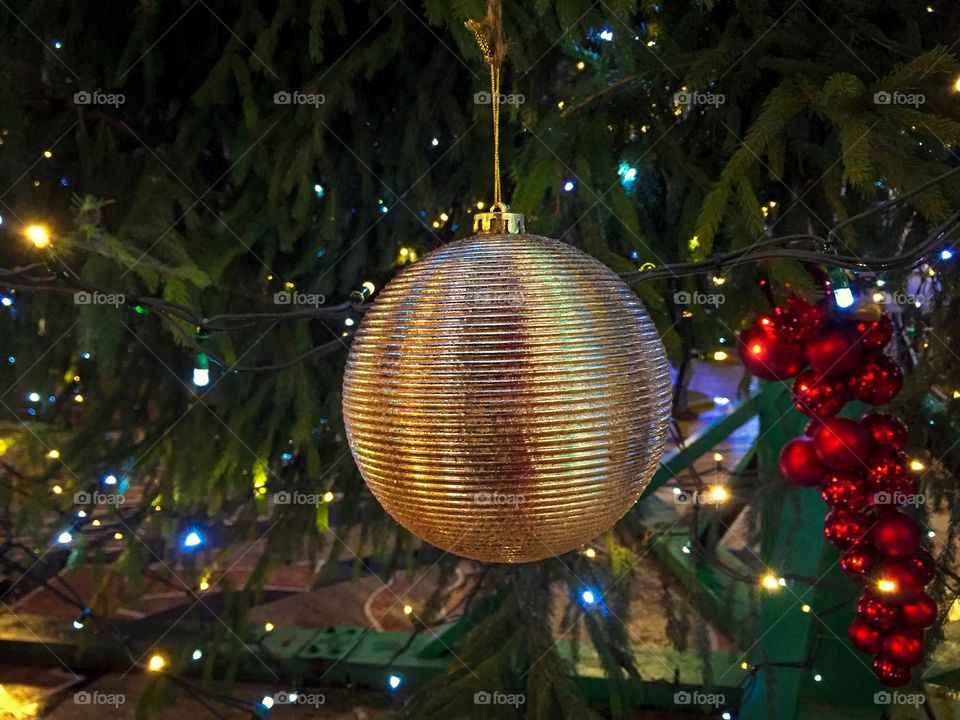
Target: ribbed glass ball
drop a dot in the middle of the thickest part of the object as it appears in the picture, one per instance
(507, 398)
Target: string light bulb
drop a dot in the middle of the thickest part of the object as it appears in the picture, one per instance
(156, 663)
(39, 235)
(770, 582)
(408, 609)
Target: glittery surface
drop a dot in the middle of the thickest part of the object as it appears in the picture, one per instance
(507, 398)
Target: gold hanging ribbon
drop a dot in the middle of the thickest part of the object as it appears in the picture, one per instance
(489, 37)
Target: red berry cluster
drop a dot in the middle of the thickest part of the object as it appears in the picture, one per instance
(859, 466)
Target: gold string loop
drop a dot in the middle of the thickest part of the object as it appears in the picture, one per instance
(489, 37)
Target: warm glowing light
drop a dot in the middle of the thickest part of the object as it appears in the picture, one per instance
(590, 553)
(744, 665)
(57, 489)
(444, 217)
(47, 154)
(480, 204)
(408, 609)
(156, 663)
(805, 608)
(756, 349)
(718, 494)
(956, 394)
(268, 627)
(718, 457)
(956, 85)
(770, 582)
(54, 454)
(96, 523)
(204, 585)
(886, 586)
(720, 355)
(118, 536)
(78, 398)
(581, 65)
(916, 465)
(878, 297)
(38, 235)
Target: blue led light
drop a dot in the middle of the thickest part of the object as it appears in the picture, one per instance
(193, 539)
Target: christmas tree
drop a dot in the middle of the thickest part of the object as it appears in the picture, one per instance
(200, 203)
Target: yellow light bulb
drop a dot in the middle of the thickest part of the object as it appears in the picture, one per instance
(590, 553)
(805, 608)
(156, 663)
(408, 609)
(118, 536)
(480, 203)
(718, 494)
(444, 217)
(770, 582)
(268, 627)
(368, 286)
(47, 154)
(581, 65)
(204, 585)
(404, 252)
(436, 224)
(328, 497)
(916, 465)
(54, 454)
(886, 586)
(57, 489)
(38, 235)
(718, 457)
(720, 355)
(78, 398)
(96, 523)
(956, 85)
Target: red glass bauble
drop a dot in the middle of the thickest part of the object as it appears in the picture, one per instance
(842, 444)
(767, 356)
(845, 529)
(799, 463)
(876, 381)
(920, 612)
(897, 580)
(890, 672)
(818, 396)
(875, 334)
(905, 645)
(843, 491)
(876, 612)
(886, 471)
(799, 320)
(889, 433)
(895, 534)
(856, 562)
(925, 565)
(865, 637)
(834, 352)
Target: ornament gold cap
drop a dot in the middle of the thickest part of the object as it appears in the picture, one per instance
(498, 222)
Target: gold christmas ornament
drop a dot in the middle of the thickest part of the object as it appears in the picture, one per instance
(507, 397)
